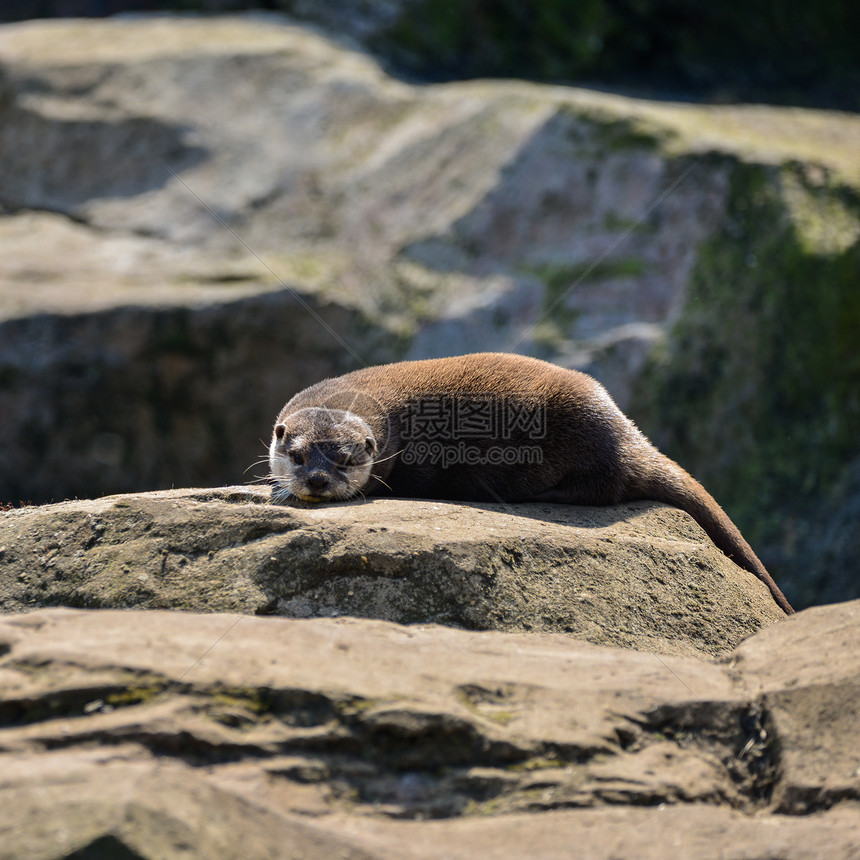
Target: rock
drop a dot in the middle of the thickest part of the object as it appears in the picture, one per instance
(150, 734)
(760, 344)
(138, 397)
(339, 178)
(825, 542)
(640, 575)
(200, 216)
(814, 706)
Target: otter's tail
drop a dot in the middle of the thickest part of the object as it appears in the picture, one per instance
(678, 488)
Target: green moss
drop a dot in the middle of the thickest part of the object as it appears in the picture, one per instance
(354, 705)
(252, 699)
(558, 318)
(757, 391)
(137, 695)
(500, 804)
(559, 278)
(616, 223)
(537, 763)
(826, 222)
(627, 133)
(487, 710)
(477, 38)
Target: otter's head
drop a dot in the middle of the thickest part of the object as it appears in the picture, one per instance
(320, 455)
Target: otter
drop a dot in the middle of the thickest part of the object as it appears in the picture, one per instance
(486, 427)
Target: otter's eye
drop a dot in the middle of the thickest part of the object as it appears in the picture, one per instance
(341, 462)
(297, 457)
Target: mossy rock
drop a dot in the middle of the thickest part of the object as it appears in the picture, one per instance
(757, 388)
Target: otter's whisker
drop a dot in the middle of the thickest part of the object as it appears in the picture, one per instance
(261, 479)
(389, 457)
(382, 482)
(258, 463)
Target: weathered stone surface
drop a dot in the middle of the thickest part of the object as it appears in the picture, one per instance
(135, 397)
(197, 218)
(446, 207)
(176, 734)
(641, 575)
(814, 705)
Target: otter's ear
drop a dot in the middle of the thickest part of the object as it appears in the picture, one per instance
(280, 431)
(370, 445)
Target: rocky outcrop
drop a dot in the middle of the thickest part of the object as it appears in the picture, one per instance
(639, 576)
(137, 397)
(154, 734)
(748, 357)
(198, 218)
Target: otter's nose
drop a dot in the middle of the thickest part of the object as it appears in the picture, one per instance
(318, 481)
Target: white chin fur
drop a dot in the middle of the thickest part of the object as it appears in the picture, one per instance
(283, 491)
(285, 487)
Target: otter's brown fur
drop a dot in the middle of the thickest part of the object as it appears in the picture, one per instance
(405, 429)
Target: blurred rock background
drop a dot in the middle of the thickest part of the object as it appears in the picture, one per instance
(786, 53)
(201, 215)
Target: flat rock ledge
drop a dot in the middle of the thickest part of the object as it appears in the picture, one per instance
(153, 734)
(641, 576)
